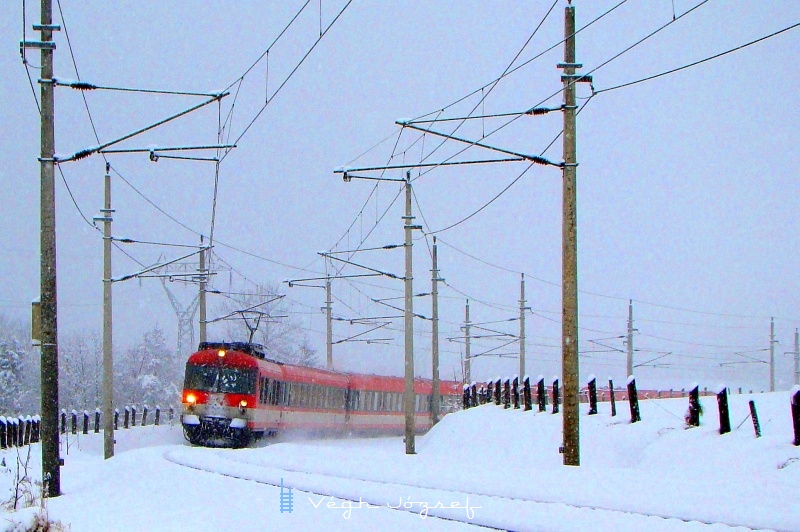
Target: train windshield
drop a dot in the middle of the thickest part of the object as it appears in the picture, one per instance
(218, 379)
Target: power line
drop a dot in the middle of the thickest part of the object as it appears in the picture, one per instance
(302, 60)
(672, 71)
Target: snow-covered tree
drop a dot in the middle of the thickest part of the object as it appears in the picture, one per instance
(150, 372)
(19, 369)
(80, 371)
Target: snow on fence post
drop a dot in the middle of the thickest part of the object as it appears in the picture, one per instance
(126, 423)
(633, 399)
(795, 400)
(540, 394)
(12, 432)
(63, 421)
(497, 394)
(556, 395)
(465, 398)
(85, 422)
(754, 417)
(592, 395)
(3, 432)
(724, 415)
(73, 418)
(526, 393)
(515, 391)
(24, 435)
(96, 420)
(158, 413)
(693, 415)
(116, 419)
(611, 396)
(144, 415)
(133, 416)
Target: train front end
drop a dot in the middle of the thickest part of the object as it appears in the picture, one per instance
(219, 396)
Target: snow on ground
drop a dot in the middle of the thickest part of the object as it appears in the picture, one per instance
(484, 466)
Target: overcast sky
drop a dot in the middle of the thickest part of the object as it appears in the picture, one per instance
(687, 188)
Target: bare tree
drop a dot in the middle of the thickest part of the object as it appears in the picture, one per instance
(262, 316)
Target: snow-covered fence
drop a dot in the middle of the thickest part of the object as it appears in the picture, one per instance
(693, 416)
(19, 431)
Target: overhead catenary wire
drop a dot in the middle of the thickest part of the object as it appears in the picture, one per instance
(695, 63)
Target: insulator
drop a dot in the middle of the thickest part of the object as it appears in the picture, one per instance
(539, 111)
(82, 86)
(82, 155)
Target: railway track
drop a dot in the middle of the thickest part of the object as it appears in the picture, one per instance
(470, 507)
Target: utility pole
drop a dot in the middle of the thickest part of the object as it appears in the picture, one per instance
(436, 406)
(329, 325)
(522, 309)
(772, 354)
(51, 461)
(629, 341)
(108, 356)
(202, 295)
(569, 297)
(467, 356)
(409, 398)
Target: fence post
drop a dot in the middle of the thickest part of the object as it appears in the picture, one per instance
(37, 424)
(526, 393)
(85, 422)
(754, 416)
(144, 415)
(96, 420)
(724, 415)
(12, 432)
(633, 400)
(497, 394)
(171, 413)
(592, 395)
(116, 419)
(489, 390)
(465, 398)
(158, 413)
(506, 393)
(515, 391)
(73, 422)
(693, 417)
(611, 396)
(3, 432)
(127, 421)
(133, 416)
(795, 399)
(540, 394)
(63, 421)
(473, 395)
(26, 429)
(556, 396)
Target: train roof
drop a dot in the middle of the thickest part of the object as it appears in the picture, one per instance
(318, 375)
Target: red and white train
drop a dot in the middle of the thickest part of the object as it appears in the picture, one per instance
(233, 393)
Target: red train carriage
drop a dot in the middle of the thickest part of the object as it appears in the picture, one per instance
(232, 392)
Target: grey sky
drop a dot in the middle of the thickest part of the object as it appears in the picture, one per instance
(687, 190)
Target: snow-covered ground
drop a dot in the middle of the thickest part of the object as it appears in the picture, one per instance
(485, 466)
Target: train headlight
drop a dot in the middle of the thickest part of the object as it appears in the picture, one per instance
(243, 406)
(191, 399)
(221, 353)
